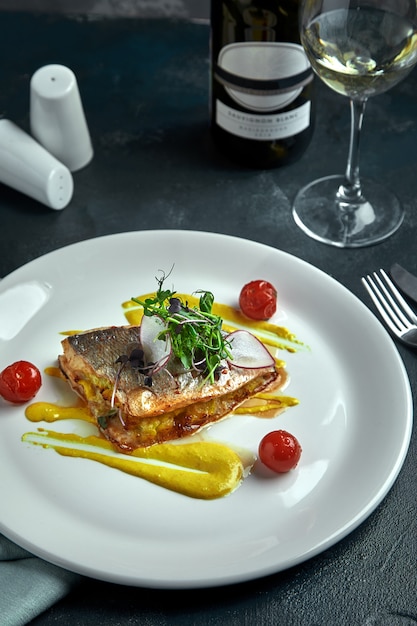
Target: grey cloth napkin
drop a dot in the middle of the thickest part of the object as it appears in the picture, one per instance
(28, 585)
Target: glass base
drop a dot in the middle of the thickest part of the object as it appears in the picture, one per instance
(324, 215)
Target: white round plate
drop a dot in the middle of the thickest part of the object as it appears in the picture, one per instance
(353, 421)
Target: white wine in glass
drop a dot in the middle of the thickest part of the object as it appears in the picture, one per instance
(359, 48)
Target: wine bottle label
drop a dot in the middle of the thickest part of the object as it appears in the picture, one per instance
(263, 77)
(263, 127)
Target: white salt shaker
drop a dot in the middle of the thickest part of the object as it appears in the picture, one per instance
(27, 167)
(57, 116)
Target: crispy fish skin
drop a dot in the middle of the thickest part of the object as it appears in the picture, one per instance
(177, 404)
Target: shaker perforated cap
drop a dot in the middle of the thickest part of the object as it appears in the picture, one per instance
(26, 166)
(57, 118)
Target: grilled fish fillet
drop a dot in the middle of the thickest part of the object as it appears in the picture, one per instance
(129, 412)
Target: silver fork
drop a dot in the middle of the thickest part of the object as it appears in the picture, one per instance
(394, 310)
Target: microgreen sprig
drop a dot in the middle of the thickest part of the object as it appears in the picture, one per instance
(195, 333)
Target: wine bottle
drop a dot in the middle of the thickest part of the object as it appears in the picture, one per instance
(262, 105)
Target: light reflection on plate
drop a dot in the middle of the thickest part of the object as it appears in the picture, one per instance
(97, 521)
(19, 304)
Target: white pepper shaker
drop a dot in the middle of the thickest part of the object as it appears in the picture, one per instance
(57, 116)
(26, 166)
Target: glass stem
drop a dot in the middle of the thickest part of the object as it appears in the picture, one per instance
(351, 188)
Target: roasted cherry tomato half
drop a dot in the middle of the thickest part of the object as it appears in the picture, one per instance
(258, 300)
(280, 451)
(20, 382)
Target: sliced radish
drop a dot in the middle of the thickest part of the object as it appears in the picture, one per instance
(247, 351)
(155, 350)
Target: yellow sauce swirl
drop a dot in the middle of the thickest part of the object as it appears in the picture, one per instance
(204, 470)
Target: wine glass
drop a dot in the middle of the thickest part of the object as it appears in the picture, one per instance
(359, 48)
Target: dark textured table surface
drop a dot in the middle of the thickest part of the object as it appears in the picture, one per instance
(144, 86)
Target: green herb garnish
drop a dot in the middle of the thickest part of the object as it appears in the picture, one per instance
(195, 333)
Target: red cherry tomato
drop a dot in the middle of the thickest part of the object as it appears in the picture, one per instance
(20, 382)
(258, 300)
(280, 451)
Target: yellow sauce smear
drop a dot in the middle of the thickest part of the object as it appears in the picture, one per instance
(48, 412)
(266, 405)
(204, 470)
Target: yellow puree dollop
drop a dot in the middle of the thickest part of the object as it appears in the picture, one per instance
(201, 469)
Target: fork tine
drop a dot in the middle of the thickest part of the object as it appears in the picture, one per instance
(395, 311)
(400, 305)
(381, 305)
